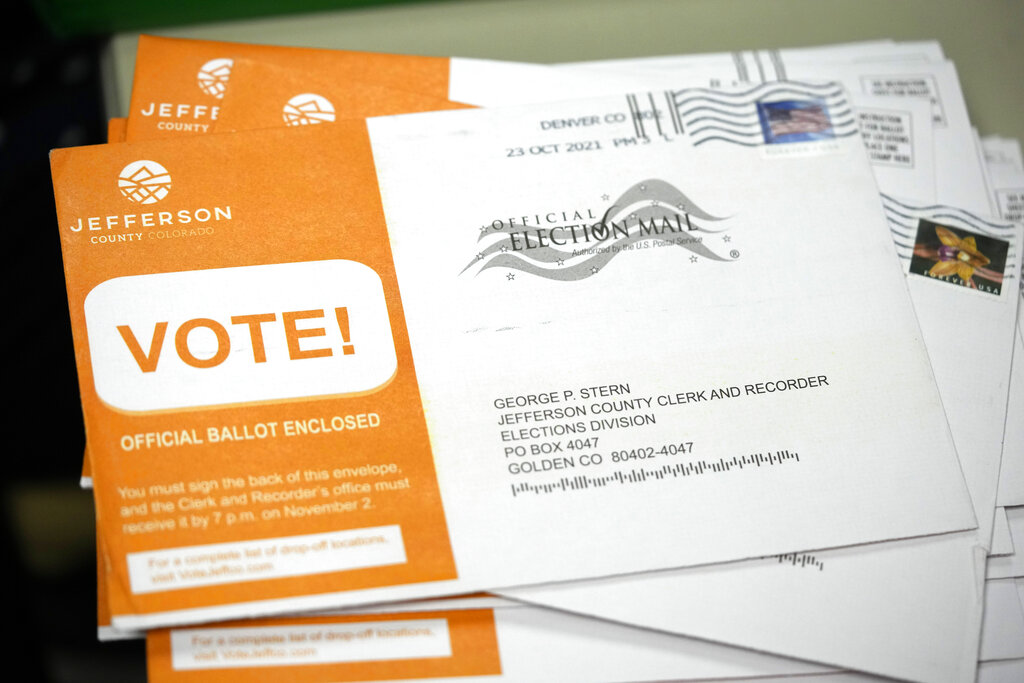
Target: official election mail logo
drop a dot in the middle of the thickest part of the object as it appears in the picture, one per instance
(144, 181)
(213, 77)
(308, 109)
(787, 121)
(579, 243)
(959, 257)
(172, 341)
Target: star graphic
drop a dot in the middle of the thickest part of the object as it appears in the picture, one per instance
(503, 249)
(605, 198)
(561, 261)
(593, 270)
(726, 238)
(479, 256)
(511, 276)
(643, 188)
(633, 216)
(655, 202)
(693, 259)
(483, 228)
(681, 206)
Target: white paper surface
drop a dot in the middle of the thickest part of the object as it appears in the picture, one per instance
(773, 63)
(1002, 540)
(898, 134)
(765, 392)
(1011, 476)
(758, 606)
(1005, 175)
(962, 179)
(507, 308)
(1009, 566)
(1002, 632)
(1010, 671)
(959, 176)
(535, 645)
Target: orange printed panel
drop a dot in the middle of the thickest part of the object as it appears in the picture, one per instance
(264, 95)
(102, 599)
(416, 645)
(103, 587)
(86, 468)
(117, 129)
(180, 84)
(253, 413)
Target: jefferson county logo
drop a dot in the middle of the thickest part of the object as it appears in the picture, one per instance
(307, 109)
(213, 76)
(145, 182)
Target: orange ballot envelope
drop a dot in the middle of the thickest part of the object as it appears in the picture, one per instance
(518, 643)
(438, 353)
(268, 96)
(179, 84)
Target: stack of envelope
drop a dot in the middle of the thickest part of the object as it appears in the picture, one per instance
(699, 367)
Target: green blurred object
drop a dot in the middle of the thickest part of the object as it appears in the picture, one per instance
(91, 17)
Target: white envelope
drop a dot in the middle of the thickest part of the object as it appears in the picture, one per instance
(1002, 540)
(885, 594)
(1011, 476)
(1004, 168)
(1009, 671)
(494, 309)
(960, 180)
(898, 134)
(492, 82)
(759, 66)
(533, 645)
(769, 377)
(1009, 566)
(964, 175)
(959, 177)
(1002, 633)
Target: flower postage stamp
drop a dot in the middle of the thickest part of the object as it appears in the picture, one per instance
(959, 257)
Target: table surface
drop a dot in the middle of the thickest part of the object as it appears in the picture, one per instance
(985, 38)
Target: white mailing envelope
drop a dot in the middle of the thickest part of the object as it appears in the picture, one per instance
(532, 645)
(771, 389)
(759, 66)
(776, 609)
(493, 82)
(1009, 566)
(898, 134)
(966, 179)
(1005, 175)
(548, 420)
(1002, 633)
(1002, 539)
(959, 179)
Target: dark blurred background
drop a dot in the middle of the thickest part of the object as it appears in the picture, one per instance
(51, 98)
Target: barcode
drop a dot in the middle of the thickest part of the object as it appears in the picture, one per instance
(801, 560)
(694, 468)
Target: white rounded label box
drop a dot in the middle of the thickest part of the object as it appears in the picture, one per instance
(191, 339)
(362, 641)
